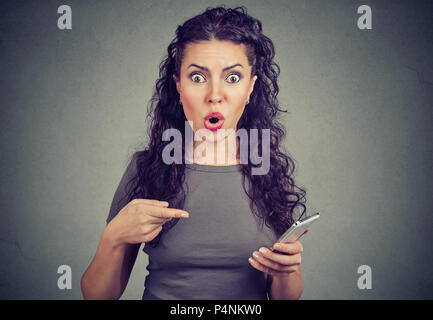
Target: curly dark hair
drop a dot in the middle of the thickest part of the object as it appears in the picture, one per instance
(274, 196)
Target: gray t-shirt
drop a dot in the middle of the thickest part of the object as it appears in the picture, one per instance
(206, 255)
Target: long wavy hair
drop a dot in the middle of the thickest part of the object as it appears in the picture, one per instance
(274, 196)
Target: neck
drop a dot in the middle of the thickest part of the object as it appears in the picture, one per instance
(217, 153)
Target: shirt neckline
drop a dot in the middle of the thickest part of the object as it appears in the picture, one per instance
(210, 168)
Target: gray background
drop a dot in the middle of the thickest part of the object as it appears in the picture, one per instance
(73, 106)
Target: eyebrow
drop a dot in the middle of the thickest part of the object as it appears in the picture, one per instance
(206, 69)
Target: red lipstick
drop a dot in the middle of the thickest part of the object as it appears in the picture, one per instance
(214, 121)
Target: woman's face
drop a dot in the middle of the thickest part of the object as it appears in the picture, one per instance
(215, 77)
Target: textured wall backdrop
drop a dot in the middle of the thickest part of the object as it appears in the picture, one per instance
(73, 105)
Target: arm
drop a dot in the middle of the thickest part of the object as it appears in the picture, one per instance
(282, 265)
(286, 288)
(140, 221)
(109, 272)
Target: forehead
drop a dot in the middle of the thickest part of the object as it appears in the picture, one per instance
(214, 53)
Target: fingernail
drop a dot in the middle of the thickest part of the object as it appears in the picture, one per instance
(163, 203)
(262, 250)
(255, 255)
(277, 246)
(184, 215)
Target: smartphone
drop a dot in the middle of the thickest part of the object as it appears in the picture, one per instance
(298, 228)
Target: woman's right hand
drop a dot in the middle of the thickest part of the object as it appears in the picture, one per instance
(140, 221)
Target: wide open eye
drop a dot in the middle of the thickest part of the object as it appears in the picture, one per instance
(234, 78)
(197, 77)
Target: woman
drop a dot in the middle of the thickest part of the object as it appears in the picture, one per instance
(212, 235)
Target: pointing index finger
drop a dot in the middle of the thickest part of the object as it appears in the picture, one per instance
(162, 212)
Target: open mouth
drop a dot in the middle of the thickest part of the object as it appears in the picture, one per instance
(214, 121)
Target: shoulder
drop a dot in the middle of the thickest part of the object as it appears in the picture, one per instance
(134, 162)
(121, 194)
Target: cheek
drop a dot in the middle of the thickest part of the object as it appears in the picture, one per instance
(189, 102)
(188, 97)
(189, 112)
(239, 112)
(238, 96)
(191, 93)
(238, 104)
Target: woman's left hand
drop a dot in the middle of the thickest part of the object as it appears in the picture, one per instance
(283, 260)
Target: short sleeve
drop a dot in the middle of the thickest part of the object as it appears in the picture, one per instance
(120, 198)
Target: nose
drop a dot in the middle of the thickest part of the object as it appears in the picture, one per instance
(215, 95)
